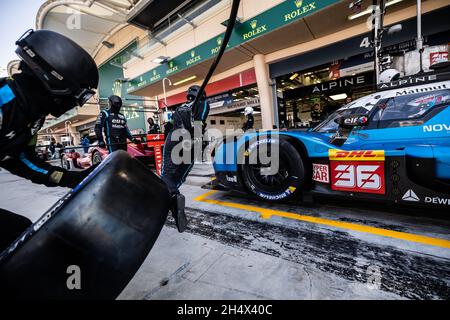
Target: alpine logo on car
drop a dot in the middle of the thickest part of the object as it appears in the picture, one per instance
(356, 155)
(321, 173)
(410, 195)
(367, 177)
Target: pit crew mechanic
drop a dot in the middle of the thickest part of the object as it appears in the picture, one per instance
(114, 125)
(56, 75)
(250, 120)
(185, 117)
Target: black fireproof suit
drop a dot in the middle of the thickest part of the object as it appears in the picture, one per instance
(23, 107)
(113, 125)
(184, 118)
(248, 125)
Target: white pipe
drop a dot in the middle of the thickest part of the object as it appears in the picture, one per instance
(419, 33)
(164, 91)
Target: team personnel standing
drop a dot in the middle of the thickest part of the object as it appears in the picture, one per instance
(56, 76)
(153, 127)
(249, 119)
(113, 125)
(184, 118)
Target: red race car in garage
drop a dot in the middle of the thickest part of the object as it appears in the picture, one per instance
(144, 151)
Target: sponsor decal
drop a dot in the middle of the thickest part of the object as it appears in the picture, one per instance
(356, 155)
(321, 173)
(410, 195)
(232, 179)
(258, 142)
(436, 57)
(356, 176)
(436, 127)
(355, 121)
(437, 200)
(280, 196)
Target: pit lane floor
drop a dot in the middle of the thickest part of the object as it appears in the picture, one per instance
(233, 250)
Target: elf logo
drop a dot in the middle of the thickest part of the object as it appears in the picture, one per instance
(410, 195)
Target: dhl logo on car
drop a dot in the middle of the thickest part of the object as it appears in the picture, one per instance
(356, 155)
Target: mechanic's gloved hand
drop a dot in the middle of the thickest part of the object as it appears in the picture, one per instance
(102, 144)
(71, 179)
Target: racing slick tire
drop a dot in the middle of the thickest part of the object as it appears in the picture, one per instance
(288, 180)
(90, 243)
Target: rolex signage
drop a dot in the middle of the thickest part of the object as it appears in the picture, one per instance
(280, 15)
(156, 76)
(300, 11)
(194, 58)
(256, 30)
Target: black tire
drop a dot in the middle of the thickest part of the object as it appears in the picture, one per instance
(286, 183)
(96, 158)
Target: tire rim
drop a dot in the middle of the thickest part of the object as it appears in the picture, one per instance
(271, 183)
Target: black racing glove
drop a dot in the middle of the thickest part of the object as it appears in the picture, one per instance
(71, 179)
(102, 144)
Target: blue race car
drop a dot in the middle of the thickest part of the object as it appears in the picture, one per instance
(392, 146)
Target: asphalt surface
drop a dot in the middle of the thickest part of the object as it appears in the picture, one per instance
(234, 250)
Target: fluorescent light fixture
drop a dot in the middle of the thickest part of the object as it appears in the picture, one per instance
(160, 59)
(295, 75)
(340, 96)
(185, 80)
(369, 10)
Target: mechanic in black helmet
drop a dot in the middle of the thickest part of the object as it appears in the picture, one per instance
(114, 125)
(56, 76)
(185, 117)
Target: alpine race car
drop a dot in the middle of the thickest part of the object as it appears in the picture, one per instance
(392, 146)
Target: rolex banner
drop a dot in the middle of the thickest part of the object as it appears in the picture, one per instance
(270, 20)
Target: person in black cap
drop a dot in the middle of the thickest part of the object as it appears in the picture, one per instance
(185, 118)
(56, 76)
(114, 125)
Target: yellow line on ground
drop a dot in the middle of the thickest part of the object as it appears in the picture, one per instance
(268, 213)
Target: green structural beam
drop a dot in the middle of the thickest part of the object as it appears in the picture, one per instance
(283, 14)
